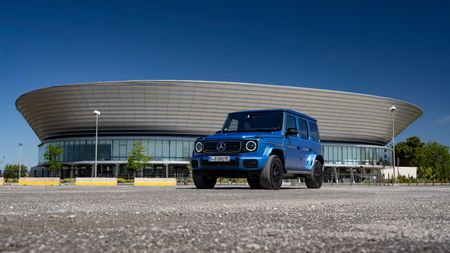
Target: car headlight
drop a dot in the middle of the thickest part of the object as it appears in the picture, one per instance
(198, 147)
(251, 146)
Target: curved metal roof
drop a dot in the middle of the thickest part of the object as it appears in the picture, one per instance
(200, 107)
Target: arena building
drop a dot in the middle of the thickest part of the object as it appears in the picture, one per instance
(167, 116)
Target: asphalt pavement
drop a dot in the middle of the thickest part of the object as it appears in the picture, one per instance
(225, 219)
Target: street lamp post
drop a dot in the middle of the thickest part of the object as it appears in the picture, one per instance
(20, 158)
(392, 109)
(97, 113)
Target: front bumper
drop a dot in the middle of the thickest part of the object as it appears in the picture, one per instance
(239, 164)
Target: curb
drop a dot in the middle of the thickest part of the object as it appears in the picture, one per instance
(168, 182)
(39, 181)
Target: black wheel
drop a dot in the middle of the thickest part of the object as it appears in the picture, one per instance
(272, 175)
(204, 182)
(315, 180)
(254, 183)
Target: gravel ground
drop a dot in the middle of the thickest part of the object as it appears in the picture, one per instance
(231, 219)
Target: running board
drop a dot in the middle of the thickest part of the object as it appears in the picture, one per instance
(296, 172)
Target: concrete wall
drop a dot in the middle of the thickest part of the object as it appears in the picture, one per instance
(403, 171)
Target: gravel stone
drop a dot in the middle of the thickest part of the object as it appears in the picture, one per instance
(226, 219)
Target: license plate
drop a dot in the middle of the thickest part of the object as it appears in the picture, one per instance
(219, 158)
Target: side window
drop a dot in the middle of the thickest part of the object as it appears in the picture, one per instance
(303, 128)
(314, 131)
(290, 122)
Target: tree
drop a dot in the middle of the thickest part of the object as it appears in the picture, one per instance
(53, 157)
(137, 160)
(435, 162)
(409, 151)
(431, 159)
(12, 171)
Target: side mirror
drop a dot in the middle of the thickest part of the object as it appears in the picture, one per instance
(218, 132)
(292, 131)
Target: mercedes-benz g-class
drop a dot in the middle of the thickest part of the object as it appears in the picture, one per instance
(264, 146)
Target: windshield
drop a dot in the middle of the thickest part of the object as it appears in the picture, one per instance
(254, 122)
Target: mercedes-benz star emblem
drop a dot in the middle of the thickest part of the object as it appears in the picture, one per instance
(221, 146)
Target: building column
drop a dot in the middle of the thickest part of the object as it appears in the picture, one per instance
(352, 177)
(167, 170)
(116, 170)
(72, 171)
(335, 174)
(379, 176)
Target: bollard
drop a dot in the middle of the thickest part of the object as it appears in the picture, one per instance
(433, 181)
(409, 179)
(389, 179)
(425, 181)
(417, 181)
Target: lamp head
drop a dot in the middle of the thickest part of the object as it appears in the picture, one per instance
(392, 108)
(97, 112)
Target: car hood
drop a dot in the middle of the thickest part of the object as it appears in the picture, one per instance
(242, 136)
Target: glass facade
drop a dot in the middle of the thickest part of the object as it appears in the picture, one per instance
(117, 149)
(180, 149)
(356, 155)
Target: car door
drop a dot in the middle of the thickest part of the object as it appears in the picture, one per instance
(315, 138)
(291, 144)
(305, 144)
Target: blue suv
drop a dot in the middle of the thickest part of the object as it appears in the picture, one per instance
(264, 146)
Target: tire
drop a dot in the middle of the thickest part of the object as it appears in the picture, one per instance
(254, 183)
(272, 175)
(314, 181)
(204, 182)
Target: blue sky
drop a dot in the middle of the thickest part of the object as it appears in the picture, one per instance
(398, 49)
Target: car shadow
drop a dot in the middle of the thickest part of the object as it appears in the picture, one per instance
(239, 188)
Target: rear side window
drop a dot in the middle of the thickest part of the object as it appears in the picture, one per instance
(314, 131)
(303, 128)
(290, 122)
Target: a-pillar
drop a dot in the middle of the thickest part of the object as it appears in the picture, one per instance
(335, 174)
(352, 177)
(167, 170)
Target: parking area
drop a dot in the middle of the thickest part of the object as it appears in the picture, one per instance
(228, 218)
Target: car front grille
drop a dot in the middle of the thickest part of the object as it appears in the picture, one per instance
(230, 147)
